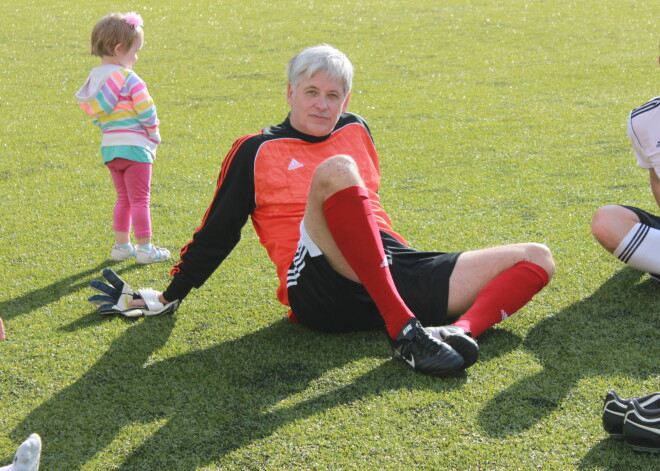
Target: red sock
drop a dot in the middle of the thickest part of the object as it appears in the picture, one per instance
(504, 295)
(353, 226)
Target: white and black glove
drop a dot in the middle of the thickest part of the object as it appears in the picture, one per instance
(116, 298)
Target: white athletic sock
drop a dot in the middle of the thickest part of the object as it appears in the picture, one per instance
(640, 248)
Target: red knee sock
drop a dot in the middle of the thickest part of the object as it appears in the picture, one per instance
(504, 295)
(353, 226)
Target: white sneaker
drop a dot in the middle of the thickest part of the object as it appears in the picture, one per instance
(118, 254)
(156, 254)
(27, 456)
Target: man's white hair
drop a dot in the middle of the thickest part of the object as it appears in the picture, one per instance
(321, 58)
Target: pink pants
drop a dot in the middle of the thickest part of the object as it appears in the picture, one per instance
(133, 183)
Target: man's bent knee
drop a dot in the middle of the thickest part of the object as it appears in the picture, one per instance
(337, 167)
(335, 174)
(541, 255)
(603, 219)
(610, 224)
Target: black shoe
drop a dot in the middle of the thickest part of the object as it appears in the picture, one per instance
(641, 428)
(424, 353)
(459, 340)
(615, 408)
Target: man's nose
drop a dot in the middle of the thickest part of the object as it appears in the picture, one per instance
(322, 102)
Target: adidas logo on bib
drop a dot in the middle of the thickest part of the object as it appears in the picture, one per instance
(294, 164)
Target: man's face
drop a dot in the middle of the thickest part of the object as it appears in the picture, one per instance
(316, 104)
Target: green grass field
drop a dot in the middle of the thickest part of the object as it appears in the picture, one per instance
(496, 121)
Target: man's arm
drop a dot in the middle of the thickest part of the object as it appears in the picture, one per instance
(221, 225)
(655, 185)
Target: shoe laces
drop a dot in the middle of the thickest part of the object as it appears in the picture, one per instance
(158, 253)
(425, 342)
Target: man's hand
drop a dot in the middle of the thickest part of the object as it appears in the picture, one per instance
(118, 298)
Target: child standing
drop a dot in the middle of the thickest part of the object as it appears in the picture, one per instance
(118, 102)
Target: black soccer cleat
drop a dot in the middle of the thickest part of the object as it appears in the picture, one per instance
(459, 340)
(641, 428)
(423, 353)
(615, 408)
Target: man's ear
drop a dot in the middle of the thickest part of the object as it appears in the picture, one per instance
(289, 92)
(345, 106)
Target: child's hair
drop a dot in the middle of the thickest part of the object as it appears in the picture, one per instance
(114, 29)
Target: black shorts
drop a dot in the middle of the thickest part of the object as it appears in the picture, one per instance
(323, 299)
(644, 217)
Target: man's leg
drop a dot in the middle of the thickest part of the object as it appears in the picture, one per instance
(611, 224)
(620, 231)
(339, 220)
(488, 285)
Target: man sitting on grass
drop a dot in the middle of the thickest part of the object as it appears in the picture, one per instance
(632, 234)
(310, 186)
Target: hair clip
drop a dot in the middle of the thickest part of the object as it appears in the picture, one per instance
(133, 19)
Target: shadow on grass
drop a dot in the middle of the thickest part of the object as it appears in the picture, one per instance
(613, 455)
(613, 332)
(203, 405)
(41, 297)
(496, 343)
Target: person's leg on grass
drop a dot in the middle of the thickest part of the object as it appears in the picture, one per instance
(610, 225)
(632, 240)
(340, 221)
(489, 285)
(138, 183)
(121, 216)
